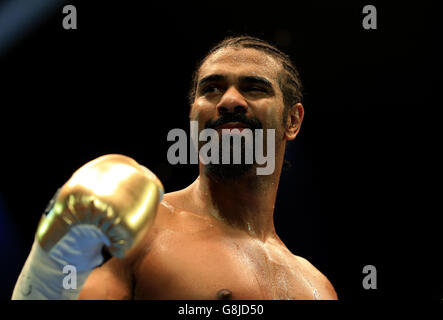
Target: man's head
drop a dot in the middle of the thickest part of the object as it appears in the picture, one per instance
(246, 80)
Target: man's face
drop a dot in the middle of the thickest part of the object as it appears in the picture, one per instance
(235, 81)
(239, 88)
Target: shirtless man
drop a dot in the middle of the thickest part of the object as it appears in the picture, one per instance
(215, 239)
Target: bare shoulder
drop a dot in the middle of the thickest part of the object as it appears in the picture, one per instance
(317, 279)
(115, 279)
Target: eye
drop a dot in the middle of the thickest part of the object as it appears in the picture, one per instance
(255, 89)
(211, 89)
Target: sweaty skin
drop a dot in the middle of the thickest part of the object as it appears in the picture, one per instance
(215, 239)
(188, 255)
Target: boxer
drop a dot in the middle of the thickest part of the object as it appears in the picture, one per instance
(215, 239)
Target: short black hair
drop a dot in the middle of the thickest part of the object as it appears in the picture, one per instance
(289, 79)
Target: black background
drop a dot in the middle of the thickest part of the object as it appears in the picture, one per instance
(354, 195)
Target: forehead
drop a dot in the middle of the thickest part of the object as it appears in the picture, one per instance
(241, 61)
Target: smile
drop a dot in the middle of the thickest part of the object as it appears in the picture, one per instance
(232, 125)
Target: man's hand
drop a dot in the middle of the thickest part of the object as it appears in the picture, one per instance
(110, 201)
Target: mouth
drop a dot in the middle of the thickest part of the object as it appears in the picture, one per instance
(232, 125)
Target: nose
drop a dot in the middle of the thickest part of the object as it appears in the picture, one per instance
(232, 102)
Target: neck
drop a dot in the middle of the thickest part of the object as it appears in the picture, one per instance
(245, 203)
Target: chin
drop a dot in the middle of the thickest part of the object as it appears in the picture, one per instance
(229, 171)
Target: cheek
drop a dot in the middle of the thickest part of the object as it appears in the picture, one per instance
(272, 117)
(201, 111)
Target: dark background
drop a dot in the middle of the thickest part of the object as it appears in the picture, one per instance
(119, 83)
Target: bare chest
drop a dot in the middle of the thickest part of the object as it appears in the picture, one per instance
(200, 266)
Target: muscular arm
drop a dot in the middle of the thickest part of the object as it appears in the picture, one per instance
(112, 281)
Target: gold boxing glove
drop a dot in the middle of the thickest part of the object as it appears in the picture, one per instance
(113, 193)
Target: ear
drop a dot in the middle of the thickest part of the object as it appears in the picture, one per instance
(294, 120)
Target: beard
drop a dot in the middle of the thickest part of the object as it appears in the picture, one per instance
(225, 172)
(231, 170)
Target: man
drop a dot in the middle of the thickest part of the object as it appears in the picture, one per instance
(215, 239)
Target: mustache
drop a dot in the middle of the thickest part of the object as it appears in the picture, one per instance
(252, 122)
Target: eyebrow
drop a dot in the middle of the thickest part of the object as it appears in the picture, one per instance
(257, 80)
(210, 78)
(242, 79)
